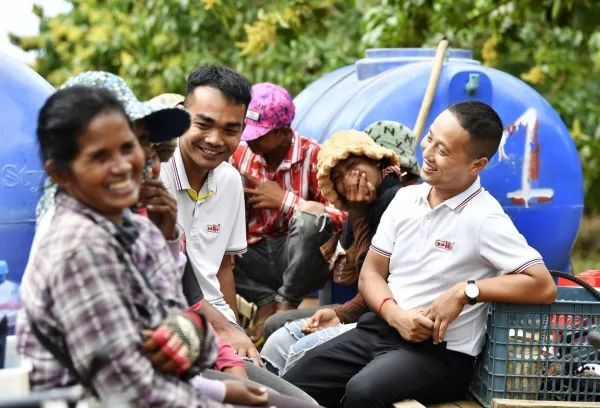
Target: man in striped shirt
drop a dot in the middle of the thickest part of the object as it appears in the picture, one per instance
(287, 216)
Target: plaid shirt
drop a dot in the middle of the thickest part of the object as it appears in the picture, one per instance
(96, 286)
(297, 175)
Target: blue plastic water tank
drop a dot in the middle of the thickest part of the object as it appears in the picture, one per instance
(22, 94)
(536, 175)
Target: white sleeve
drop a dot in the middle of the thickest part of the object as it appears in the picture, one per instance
(385, 237)
(501, 244)
(174, 247)
(213, 389)
(237, 244)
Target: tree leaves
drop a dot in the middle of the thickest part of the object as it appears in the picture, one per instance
(554, 45)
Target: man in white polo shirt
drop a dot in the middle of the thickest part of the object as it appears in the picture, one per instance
(442, 249)
(209, 192)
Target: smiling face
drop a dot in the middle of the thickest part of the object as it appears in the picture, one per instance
(217, 124)
(106, 173)
(447, 165)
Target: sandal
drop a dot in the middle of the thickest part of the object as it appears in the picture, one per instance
(255, 331)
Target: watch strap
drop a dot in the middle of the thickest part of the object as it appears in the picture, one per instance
(472, 300)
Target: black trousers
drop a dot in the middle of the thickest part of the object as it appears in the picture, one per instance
(372, 366)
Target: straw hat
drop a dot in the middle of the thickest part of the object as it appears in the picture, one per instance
(339, 147)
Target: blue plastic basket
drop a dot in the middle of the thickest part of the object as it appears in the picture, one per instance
(540, 352)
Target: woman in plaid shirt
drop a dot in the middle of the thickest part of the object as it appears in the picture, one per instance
(104, 275)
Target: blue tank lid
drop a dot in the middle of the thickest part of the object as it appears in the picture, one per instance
(536, 175)
(379, 60)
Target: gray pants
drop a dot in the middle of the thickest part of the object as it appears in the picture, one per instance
(258, 376)
(286, 268)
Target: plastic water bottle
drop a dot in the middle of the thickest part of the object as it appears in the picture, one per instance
(10, 300)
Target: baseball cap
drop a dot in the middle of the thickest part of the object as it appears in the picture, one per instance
(162, 121)
(271, 107)
(399, 138)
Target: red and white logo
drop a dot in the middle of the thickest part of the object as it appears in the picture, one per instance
(214, 228)
(447, 245)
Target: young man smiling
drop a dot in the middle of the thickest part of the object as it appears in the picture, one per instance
(442, 250)
(209, 192)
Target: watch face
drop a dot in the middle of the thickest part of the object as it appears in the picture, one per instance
(472, 291)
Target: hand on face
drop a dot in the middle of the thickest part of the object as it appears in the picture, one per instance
(161, 206)
(265, 194)
(358, 189)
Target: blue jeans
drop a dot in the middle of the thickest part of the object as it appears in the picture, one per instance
(286, 268)
(288, 344)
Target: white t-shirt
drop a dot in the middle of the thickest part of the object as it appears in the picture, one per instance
(466, 237)
(214, 226)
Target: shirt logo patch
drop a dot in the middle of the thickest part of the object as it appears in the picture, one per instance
(214, 228)
(448, 246)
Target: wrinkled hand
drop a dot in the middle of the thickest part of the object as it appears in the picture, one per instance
(357, 189)
(238, 393)
(413, 325)
(322, 319)
(161, 206)
(264, 194)
(159, 358)
(242, 344)
(180, 341)
(444, 310)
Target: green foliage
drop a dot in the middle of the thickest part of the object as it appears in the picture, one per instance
(154, 44)
(554, 45)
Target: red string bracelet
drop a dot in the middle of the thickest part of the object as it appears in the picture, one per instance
(383, 302)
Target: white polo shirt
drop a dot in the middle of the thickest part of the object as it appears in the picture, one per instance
(466, 237)
(214, 226)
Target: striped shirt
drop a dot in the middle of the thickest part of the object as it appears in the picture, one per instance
(96, 286)
(296, 174)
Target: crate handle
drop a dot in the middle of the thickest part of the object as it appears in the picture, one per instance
(580, 282)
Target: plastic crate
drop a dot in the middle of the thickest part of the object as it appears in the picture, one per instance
(540, 352)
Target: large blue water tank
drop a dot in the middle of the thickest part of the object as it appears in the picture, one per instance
(536, 175)
(22, 94)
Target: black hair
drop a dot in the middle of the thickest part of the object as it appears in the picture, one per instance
(483, 125)
(232, 84)
(66, 115)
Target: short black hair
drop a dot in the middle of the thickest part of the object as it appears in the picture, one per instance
(65, 116)
(232, 84)
(482, 123)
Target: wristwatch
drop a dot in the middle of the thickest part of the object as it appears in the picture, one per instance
(472, 291)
